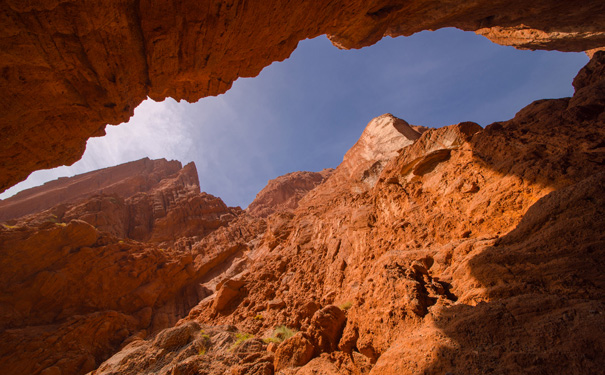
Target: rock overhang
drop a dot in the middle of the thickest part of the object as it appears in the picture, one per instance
(70, 68)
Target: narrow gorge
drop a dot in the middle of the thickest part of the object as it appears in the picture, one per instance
(451, 250)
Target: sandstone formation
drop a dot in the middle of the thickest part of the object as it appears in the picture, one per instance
(124, 180)
(427, 251)
(284, 192)
(472, 251)
(144, 200)
(75, 281)
(382, 138)
(69, 68)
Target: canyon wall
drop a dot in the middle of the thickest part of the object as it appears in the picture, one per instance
(467, 251)
(124, 180)
(77, 278)
(458, 249)
(69, 68)
(116, 254)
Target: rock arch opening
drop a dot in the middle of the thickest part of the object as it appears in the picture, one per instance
(306, 112)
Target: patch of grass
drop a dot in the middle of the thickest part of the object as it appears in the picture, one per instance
(345, 306)
(280, 334)
(52, 219)
(201, 351)
(240, 337)
(258, 317)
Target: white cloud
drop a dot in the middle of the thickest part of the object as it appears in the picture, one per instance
(157, 130)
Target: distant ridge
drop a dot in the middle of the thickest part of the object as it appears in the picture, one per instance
(124, 179)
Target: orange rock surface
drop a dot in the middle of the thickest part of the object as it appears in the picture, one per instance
(125, 180)
(473, 251)
(455, 250)
(69, 68)
(75, 281)
(284, 192)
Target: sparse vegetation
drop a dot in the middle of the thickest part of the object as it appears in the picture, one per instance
(240, 337)
(204, 342)
(52, 219)
(280, 334)
(345, 306)
(258, 317)
(6, 226)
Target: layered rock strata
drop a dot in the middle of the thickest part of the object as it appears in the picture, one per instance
(474, 251)
(124, 180)
(78, 279)
(284, 192)
(69, 68)
(146, 200)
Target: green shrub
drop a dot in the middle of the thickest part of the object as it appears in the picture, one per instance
(240, 337)
(280, 334)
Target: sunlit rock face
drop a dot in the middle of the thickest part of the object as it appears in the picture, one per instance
(144, 200)
(124, 180)
(472, 250)
(90, 260)
(284, 192)
(69, 68)
(457, 249)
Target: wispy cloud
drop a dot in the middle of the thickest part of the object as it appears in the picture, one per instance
(304, 113)
(156, 130)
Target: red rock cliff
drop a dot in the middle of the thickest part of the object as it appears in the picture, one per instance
(461, 249)
(69, 68)
(74, 279)
(124, 180)
(284, 192)
(474, 251)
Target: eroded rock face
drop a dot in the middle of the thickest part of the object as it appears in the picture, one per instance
(284, 192)
(145, 200)
(466, 250)
(77, 281)
(471, 244)
(124, 180)
(68, 67)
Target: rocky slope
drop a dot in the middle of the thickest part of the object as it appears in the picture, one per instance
(284, 192)
(456, 250)
(69, 68)
(476, 251)
(76, 279)
(124, 180)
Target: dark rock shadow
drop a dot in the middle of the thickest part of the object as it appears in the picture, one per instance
(546, 288)
(544, 281)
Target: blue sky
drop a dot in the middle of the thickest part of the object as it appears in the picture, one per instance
(306, 112)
